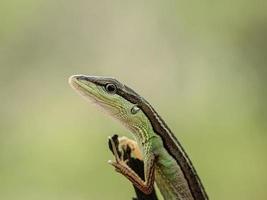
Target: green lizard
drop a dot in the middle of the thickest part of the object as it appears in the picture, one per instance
(165, 161)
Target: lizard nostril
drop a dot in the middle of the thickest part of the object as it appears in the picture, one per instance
(80, 78)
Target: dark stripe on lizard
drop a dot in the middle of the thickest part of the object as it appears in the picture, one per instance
(168, 138)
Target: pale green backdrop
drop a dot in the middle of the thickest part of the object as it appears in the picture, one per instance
(202, 64)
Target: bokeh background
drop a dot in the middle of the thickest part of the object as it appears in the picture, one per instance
(202, 64)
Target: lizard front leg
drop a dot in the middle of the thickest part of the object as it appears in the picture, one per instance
(146, 185)
(129, 151)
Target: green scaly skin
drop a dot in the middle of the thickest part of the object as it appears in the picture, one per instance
(174, 175)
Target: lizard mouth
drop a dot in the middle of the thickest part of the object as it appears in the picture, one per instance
(85, 89)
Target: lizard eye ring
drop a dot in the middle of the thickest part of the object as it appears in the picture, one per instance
(111, 88)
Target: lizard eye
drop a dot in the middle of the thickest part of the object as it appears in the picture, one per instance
(111, 88)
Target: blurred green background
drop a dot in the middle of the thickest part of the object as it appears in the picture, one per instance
(202, 64)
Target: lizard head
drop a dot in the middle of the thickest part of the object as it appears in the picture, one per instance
(118, 100)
